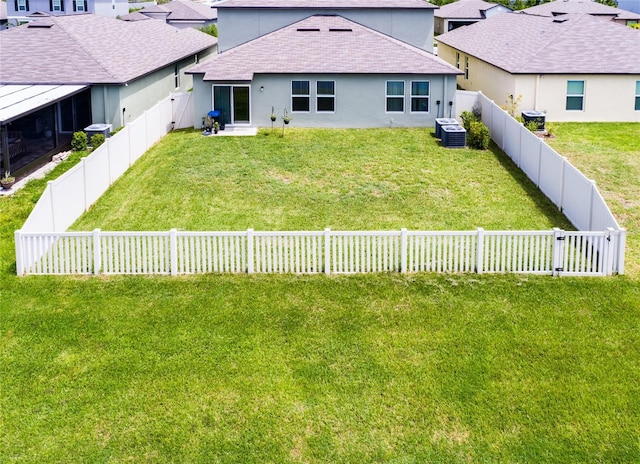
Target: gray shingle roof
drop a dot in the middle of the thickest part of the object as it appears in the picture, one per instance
(92, 49)
(579, 6)
(183, 10)
(322, 44)
(573, 44)
(465, 9)
(333, 4)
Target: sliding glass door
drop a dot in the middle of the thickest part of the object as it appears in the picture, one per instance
(233, 102)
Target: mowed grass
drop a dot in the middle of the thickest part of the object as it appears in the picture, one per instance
(312, 179)
(313, 369)
(610, 155)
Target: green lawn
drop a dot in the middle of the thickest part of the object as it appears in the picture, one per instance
(312, 179)
(610, 155)
(377, 368)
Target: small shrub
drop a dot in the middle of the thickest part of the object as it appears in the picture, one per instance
(478, 135)
(551, 129)
(467, 118)
(79, 141)
(532, 126)
(97, 140)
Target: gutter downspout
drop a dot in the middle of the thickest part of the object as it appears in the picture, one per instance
(535, 96)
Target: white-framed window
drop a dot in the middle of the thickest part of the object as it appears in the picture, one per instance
(458, 60)
(300, 96)
(22, 5)
(575, 96)
(57, 5)
(176, 76)
(419, 96)
(394, 97)
(325, 96)
(637, 107)
(466, 67)
(80, 5)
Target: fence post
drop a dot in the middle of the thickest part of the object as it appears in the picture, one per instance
(327, 251)
(53, 206)
(403, 250)
(594, 189)
(97, 252)
(558, 252)
(249, 251)
(83, 161)
(621, 245)
(610, 243)
(480, 251)
(173, 246)
(19, 254)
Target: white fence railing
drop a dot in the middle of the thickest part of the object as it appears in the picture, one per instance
(42, 246)
(553, 252)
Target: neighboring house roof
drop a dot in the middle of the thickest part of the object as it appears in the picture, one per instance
(322, 44)
(573, 44)
(92, 49)
(183, 10)
(333, 4)
(466, 9)
(135, 16)
(561, 7)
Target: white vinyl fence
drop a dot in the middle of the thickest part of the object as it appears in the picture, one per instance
(576, 195)
(43, 246)
(553, 252)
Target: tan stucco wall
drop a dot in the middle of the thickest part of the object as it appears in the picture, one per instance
(607, 97)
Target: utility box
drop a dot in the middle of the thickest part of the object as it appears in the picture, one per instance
(534, 116)
(444, 122)
(454, 136)
(103, 129)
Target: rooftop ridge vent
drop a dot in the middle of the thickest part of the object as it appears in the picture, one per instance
(308, 29)
(40, 24)
(340, 29)
(560, 20)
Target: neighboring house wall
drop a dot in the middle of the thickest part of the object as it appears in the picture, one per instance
(241, 25)
(606, 97)
(21, 9)
(109, 101)
(359, 100)
(111, 8)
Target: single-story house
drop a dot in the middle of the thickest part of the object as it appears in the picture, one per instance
(62, 73)
(325, 71)
(410, 21)
(464, 12)
(573, 67)
(598, 10)
(177, 13)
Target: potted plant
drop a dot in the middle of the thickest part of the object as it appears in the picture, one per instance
(7, 180)
(273, 115)
(216, 127)
(286, 118)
